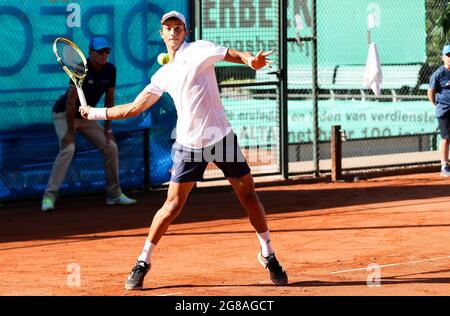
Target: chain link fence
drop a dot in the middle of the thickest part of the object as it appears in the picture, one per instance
(395, 128)
(398, 126)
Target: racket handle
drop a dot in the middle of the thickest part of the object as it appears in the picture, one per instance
(81, 97)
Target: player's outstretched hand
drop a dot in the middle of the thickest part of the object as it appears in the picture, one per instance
(260, 60)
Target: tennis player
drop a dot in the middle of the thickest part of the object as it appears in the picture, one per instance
(203, 135)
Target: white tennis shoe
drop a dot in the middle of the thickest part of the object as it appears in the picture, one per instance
(121, 200)
(445, 171)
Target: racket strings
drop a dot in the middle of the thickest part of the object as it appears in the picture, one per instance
(71, 59)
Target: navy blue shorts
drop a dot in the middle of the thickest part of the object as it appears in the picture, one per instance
(444, 126)
(189, 164)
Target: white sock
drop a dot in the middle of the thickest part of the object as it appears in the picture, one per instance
(146, 254)
(443, 164)
(264, 240)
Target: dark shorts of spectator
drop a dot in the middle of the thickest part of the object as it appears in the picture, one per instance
(444, 126)
(189, 164)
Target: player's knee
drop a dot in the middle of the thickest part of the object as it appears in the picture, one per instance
(172, 208)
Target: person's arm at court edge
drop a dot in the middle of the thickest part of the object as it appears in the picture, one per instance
(142, 102)
(69, 137)
(432, 96)
(256, 62)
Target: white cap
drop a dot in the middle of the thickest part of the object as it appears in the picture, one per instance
(173, 14)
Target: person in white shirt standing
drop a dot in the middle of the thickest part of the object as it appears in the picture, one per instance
(203, 135)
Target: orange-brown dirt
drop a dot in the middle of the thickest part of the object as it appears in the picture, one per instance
(211, 248)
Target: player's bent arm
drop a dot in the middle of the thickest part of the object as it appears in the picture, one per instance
(237, 57)
(142, 102)
(255, 62)
(432, 96)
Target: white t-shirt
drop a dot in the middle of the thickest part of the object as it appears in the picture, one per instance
(191, 82)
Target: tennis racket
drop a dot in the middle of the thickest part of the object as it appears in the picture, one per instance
(72, 60)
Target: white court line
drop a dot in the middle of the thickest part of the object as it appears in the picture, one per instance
(262, 283)
(178, 293)
(391, 265)
(170, 294)
(213, 288)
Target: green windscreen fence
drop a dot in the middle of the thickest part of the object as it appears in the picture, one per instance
(376, 129)
(398, 28)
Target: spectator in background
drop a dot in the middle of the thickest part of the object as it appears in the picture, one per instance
(439, 96)
(100, 80)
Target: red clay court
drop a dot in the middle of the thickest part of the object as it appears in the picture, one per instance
(325, 235)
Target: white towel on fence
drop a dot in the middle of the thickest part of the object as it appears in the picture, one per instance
(373, 76)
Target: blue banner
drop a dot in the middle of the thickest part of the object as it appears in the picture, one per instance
(31, 81)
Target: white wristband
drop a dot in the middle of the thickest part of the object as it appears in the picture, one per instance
(97, 114)
(250, 60)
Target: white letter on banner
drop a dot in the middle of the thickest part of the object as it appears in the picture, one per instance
(74, 18)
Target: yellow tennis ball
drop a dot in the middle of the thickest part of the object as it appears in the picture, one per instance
(163, 58)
